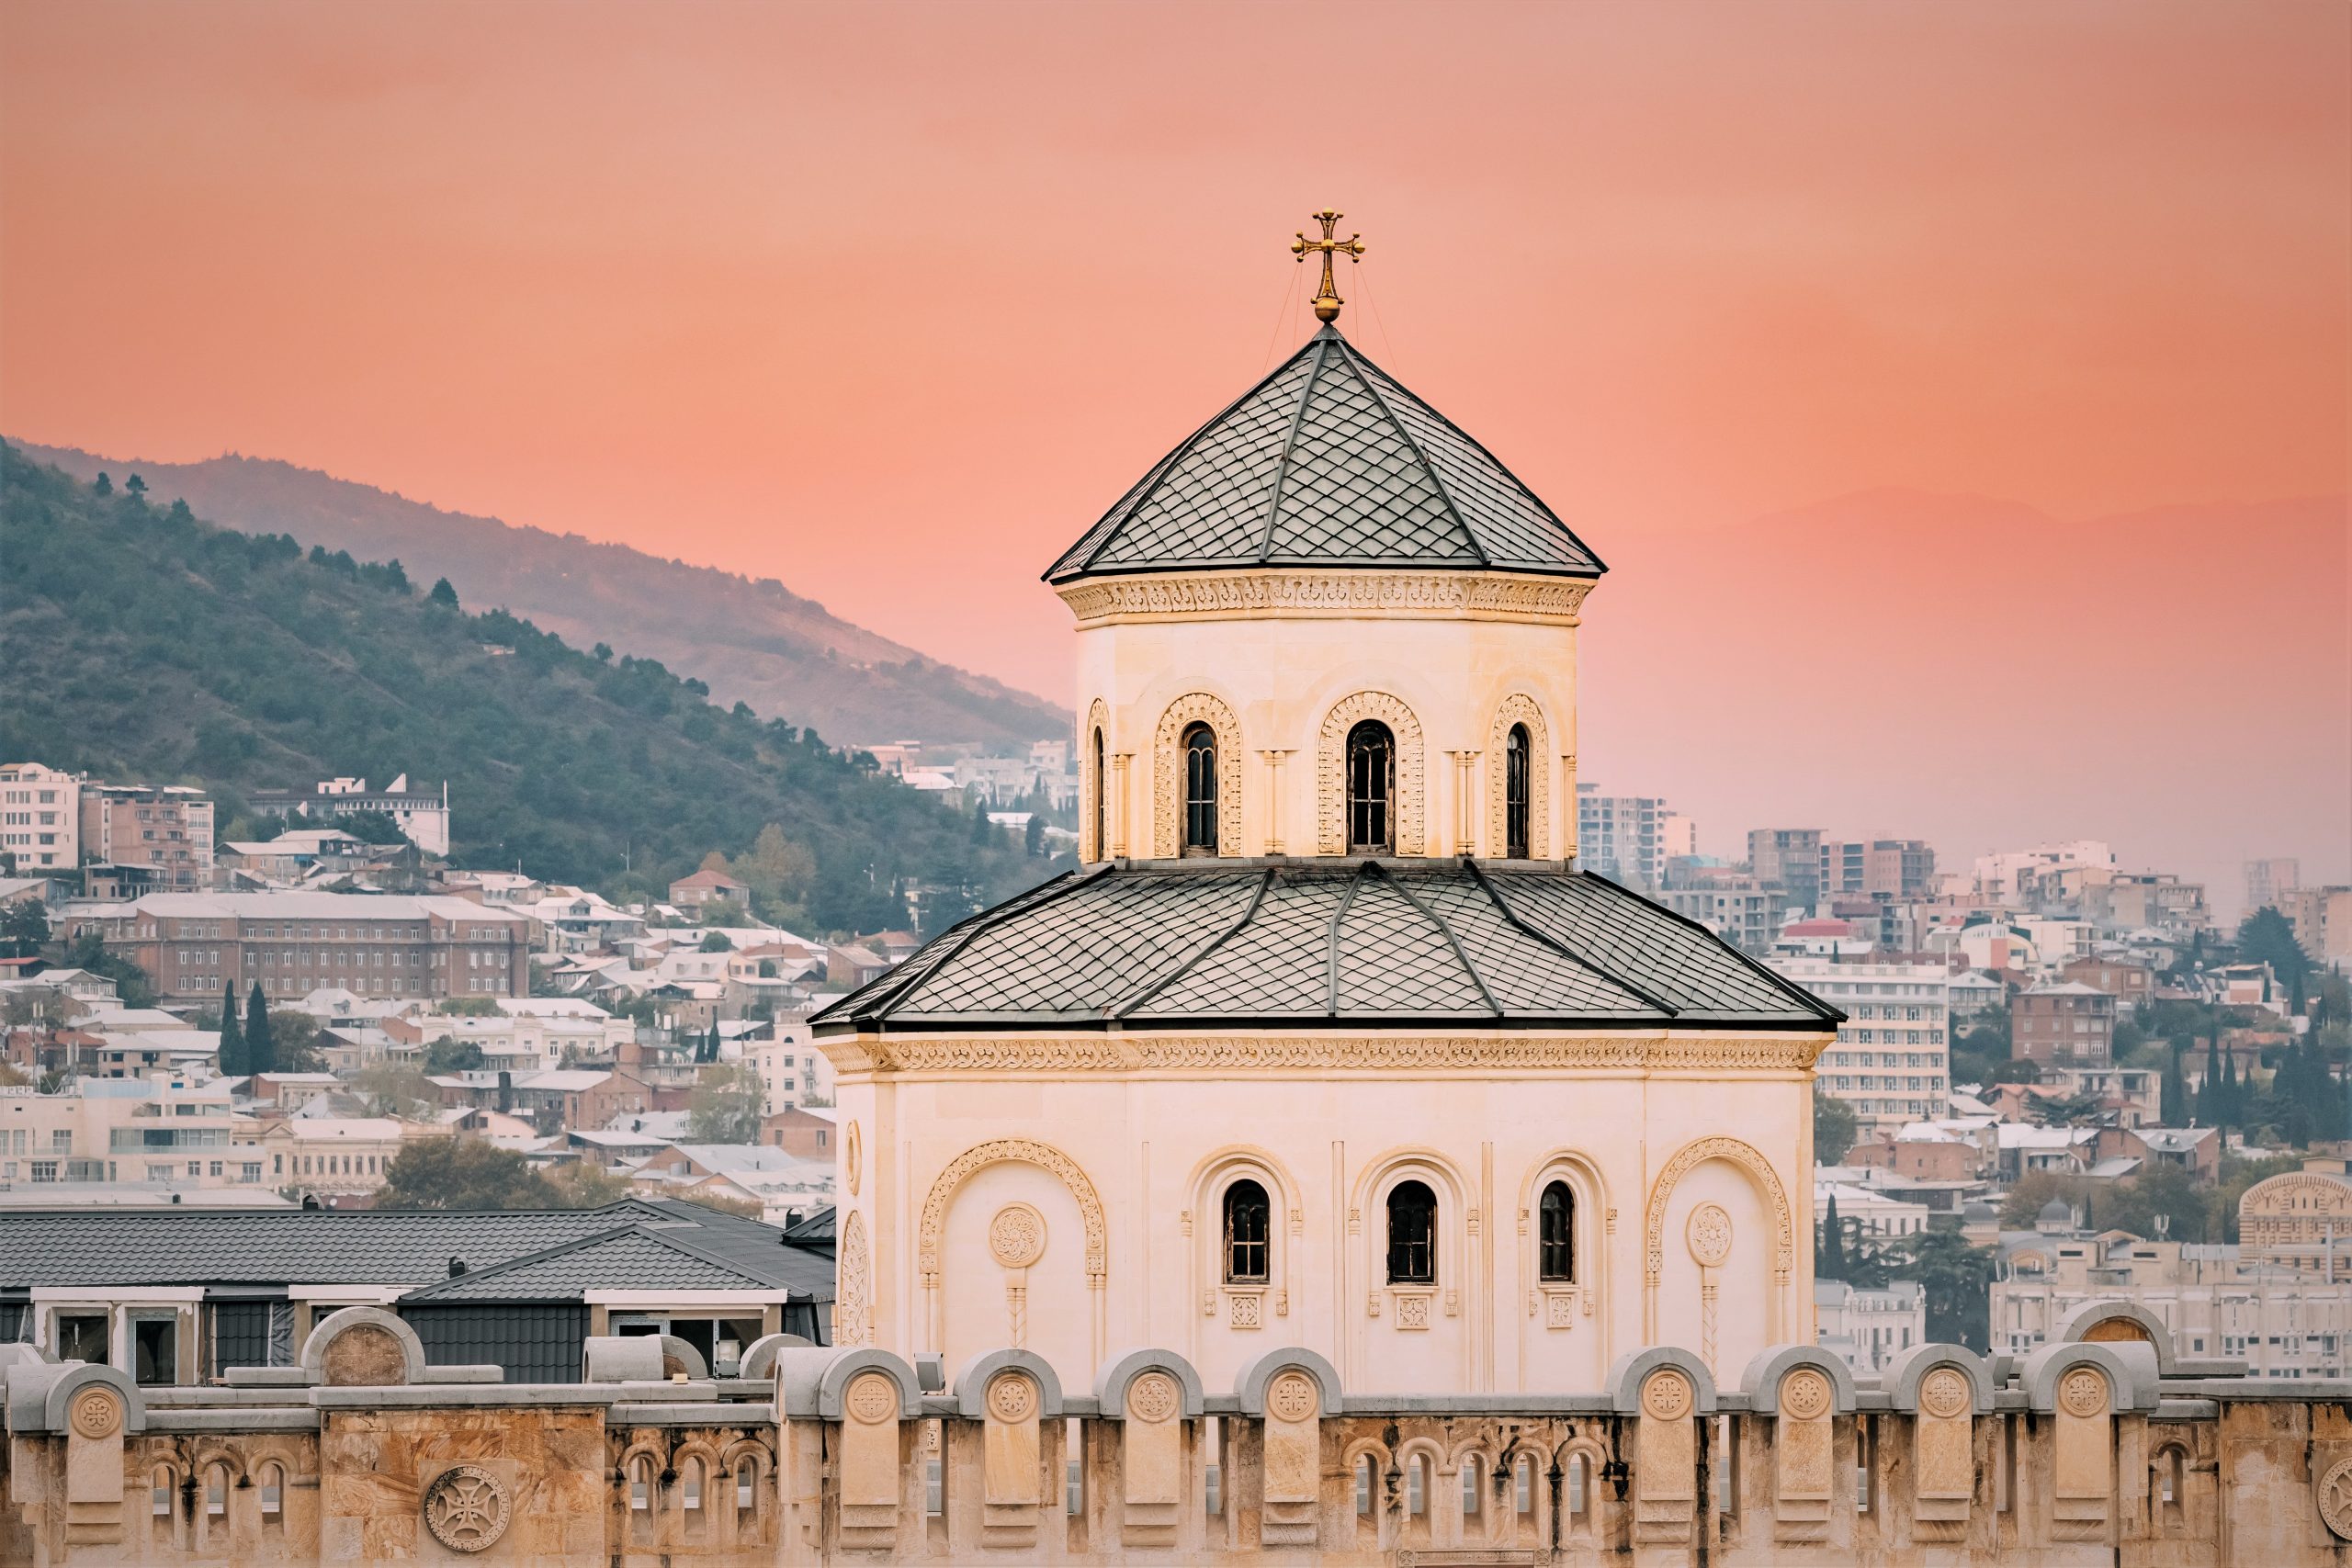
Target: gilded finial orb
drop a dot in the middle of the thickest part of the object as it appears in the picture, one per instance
(1327, 299)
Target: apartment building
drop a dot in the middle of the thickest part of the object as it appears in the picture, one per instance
(40, 818)
(2131, 983)
(2322, 919)
(1622, 836)
(1885, 869)
(162, 1128)
(1868, 1328)
(167, 832)
(2062, 1020)
(1789, 856)
(2267, 882)
(191, 945)
(1742, 910)
(1892, 1060)
(423, 815)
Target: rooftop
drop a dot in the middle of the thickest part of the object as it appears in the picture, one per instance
(1329, 462)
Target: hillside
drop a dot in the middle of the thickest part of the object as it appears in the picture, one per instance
(143, 643)
(755, 642)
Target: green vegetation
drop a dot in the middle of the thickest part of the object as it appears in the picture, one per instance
(470, 1173)
(726, 1106)
(1833, 1127)
(144, 644)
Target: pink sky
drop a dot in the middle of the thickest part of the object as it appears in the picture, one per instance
(889, 301)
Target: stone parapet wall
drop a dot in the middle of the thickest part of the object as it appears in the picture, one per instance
(2093, 1451)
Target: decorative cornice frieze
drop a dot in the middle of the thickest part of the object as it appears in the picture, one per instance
(1328, 1053)
(1274, 592)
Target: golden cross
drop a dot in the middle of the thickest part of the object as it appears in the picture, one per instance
(1327, 301)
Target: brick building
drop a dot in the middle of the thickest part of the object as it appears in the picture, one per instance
(167, 831)
(2062, 1020)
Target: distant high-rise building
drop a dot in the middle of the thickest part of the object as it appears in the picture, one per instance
(2267, 882)
(1877, 868)
(1998, 875)
(1622, 836)
(1789, 856)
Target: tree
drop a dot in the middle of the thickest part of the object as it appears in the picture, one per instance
(24, 929)
(294, 1042)
(2019, 1069)
(88, 952)
(2267, 937)
(1033, 838)
(452, 1056)
(462, 1173)
(395, 1088)
(726, 1106)
(102, 484)
(602, 653)
(1955, 1278)
(261, 1044)
(2210, 1108)
(715, 941)
(577, 1184)
(1830, 1260)
(1833, 1127)
(442, 594)
(232, 1038)
(2175, 1108)
(2158, 1190)
(137, 488)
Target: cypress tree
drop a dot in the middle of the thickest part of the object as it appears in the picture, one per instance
(2228, 1096)
(261, 1052)
(2175, 1109)
(232, 1044)
(1831, 1264)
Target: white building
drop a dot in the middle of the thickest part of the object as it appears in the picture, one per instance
(155, 1129)
(1893, 1058)
(40, 818)
(1867, 1329)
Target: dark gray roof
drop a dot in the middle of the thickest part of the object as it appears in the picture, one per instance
(1326, 941)
(631, 1258)
(322, 1247)
(1328, 462)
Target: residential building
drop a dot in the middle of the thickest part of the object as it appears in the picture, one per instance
(1892, 1061)
(1742, 910)
(40, 818)
(2009, 876)
(791, 1067)
(165, 832)
(709, 886)
(1867, 1329)
(2322, 919)
(2131, 1097)
(1790, 857)
(1973, 991)
(2131, 983)
(1618, 836)
(423, 815)
(2126, 901)
(2023, 1149)
(2063, 1021)
(336, 1156)
(2267, 882)
(1865, 1212)
(191, 945)
(157, 1129)
(2195, 1150)
(807, 1134)
(1882, 869)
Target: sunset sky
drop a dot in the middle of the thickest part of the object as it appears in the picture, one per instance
(889, 301)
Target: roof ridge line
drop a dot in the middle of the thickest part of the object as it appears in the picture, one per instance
(1561, 948)
(1452, 941)
(1281, 464)
(1152, 989)
(1158, 476)
(555, 1249)
(1437, 480)
(977, 923)
(1778, 981)
(1331, 939)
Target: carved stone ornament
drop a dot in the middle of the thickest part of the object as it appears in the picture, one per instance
(95, 1413)
(1695, 1153)
(852, 1153)
(466, 1508)
(1667, 1396)
(2082, 1391)
(1332, 771)
(1292, 1397)
(1017, 1235)
(1152, 1397)
(997, 1151)
(1275, 592)
(1238, 1052)
(1519, 708)
(1708, 1232)
(871, 1400)
(2335, 1493)
(1805, 1395)
(1247, 1310)
(1944, 1393)
(1168, 773)
(1012, 1398)
(852, 1287)
(1412, 1309)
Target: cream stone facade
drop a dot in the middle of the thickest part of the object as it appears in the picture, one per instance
(1329, 1046)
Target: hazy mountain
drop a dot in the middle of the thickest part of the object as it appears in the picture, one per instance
(1976, 673)
(752, 641)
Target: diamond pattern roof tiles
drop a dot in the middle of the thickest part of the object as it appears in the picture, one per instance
(1326, 941)
(1329, 462)
(626, 1258)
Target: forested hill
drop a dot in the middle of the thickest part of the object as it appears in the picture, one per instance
(144, 644)
(754, 641)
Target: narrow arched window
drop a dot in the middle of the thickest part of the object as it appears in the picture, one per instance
(1371, 786)
(1412, 1234)
(1247, 1219)
(1515, 761)
(1101, 811)
(1200, 790)
(1557, 1235)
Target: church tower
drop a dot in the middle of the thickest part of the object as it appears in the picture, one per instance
(1327, 1042)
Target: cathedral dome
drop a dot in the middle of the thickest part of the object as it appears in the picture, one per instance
(1328, 462)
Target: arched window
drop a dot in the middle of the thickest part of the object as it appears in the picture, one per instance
(1200, 790)
(273, 1496)
(1101, 811)
(1247, 1220)
(1372, 787)
(1515, 835)
(1557, 1235)
(1412, 1234)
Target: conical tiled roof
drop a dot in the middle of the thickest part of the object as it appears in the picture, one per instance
(1328, 462)
(1327, 942)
